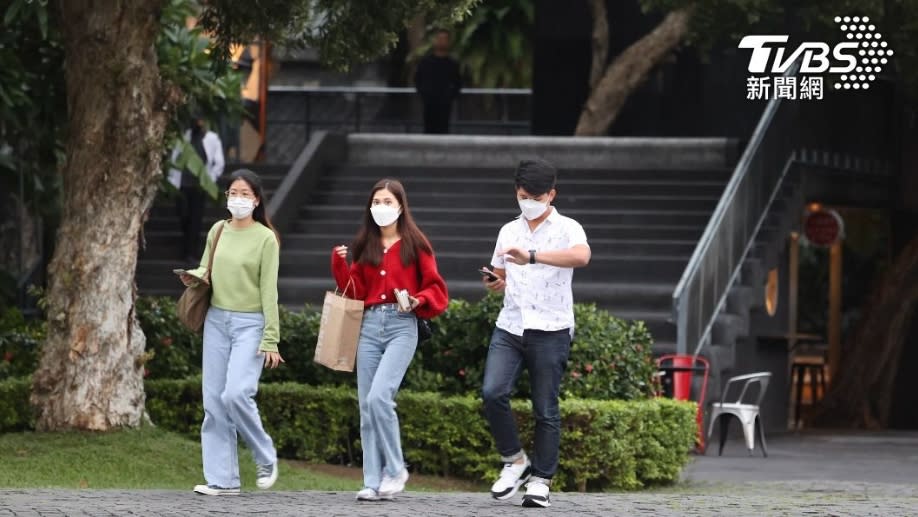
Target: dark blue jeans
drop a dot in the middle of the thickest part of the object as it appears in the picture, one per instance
(544, 354)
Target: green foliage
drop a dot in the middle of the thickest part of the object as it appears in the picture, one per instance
(173, 351)
(344, 32)
(33, 106)
(494, 44)
(15, 412)
(19, 343)
(605, 444)
(187, 62)
(610, 358)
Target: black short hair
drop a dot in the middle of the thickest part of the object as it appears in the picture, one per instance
(536, 176)
(438, 30)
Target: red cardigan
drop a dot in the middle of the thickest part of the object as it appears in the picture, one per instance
(374, 284)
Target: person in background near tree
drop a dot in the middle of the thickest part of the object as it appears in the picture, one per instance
(438, 82)
(389, 252)
(533, 263)
(190, 204)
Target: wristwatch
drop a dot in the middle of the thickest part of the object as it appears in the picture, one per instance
(532, 256)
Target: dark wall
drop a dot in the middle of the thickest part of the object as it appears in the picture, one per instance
(561, 65)
(684, 97)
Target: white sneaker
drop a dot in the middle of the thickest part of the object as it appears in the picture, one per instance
(215, 490)
(512, 477)
(536, 494)
(265, 475)
(368, 494)
(391, 486)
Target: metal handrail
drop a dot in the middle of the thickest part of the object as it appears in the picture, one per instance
(702, 290)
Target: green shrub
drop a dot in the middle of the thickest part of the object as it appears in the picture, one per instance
(15, 412)
(610, 358)
(605, 444)
(19, 343)
(173, 351)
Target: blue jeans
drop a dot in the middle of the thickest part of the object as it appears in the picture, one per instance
(231, 370)
(388, 339)
(544, 354)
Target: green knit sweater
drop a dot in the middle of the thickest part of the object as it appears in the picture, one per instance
(244, 276)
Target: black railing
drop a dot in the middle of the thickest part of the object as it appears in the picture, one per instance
(294, 113)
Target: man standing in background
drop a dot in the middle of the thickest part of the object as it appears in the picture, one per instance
(438, 82)
(190, 204)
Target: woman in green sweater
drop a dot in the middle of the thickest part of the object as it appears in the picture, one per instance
(241, 332)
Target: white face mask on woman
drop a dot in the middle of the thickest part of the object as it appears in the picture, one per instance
(532, 209)
(240, 207)
(384, 215)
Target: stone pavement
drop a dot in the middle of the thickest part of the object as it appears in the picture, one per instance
(838, 474)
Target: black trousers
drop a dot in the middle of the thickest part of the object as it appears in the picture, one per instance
(190, 207)
(436, 116)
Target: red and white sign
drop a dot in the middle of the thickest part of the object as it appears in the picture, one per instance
(823, 227)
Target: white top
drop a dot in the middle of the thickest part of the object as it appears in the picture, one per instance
(538, 296)
(213, 148)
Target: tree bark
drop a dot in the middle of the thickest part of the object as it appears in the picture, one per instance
(624, 75)
(861, 391)
(90, 374)
(600, 41)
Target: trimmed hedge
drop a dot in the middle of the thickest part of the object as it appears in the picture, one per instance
(605, 444)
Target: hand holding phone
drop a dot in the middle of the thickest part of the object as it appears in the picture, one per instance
(489, 274)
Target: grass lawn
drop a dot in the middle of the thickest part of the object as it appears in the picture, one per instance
(156, 459)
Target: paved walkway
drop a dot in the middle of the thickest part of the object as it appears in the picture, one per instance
(855, 474)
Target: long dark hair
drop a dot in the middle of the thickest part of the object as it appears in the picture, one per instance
(367, 245)
(260, 214)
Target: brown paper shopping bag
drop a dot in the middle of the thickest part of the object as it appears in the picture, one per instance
(339, 331)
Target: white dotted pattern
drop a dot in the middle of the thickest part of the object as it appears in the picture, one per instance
(873, 51)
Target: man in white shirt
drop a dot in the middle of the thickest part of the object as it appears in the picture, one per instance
(534, 262)
(190, 204)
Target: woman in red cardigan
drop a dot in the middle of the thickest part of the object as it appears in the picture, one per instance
(389, 253)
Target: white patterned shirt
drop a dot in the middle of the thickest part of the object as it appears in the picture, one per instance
(538, 296)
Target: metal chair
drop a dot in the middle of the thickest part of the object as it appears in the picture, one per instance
(747, 413)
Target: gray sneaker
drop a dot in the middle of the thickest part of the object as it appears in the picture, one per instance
(215, 490)
(265, 475)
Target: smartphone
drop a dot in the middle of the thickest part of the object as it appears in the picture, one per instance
(491, 276)
(404, 304)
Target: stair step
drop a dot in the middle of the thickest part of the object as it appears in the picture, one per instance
(503, 200)
(416, 187)
(320, 214)
(507, 173)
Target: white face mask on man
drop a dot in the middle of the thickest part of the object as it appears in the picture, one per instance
(384, 215)
(532, 209)
(240, 207)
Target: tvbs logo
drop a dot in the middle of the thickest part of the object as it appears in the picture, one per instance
(856, 60)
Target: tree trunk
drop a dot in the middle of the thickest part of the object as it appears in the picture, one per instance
(624, 75)
(861, 390)
(600, 41)
(91, 371)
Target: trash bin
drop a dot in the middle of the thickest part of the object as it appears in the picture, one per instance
(685, 377)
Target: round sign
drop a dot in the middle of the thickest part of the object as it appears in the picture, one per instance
(823, 227)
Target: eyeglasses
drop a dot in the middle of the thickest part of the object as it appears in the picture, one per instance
(248, 194)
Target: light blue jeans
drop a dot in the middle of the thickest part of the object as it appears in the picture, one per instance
(231, 370)
(387, 343)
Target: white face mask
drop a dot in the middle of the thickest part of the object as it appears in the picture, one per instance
(240, 207)
(532, 209)
(384, 215)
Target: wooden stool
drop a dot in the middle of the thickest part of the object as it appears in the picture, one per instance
(814, 366)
